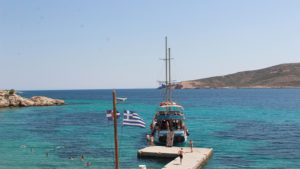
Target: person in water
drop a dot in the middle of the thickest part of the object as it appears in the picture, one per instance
(192, 145)
(47, 154)
(31, 150)
(81, 159)
(148, 139)
(88, 164)
(71, 158)
(180, 153)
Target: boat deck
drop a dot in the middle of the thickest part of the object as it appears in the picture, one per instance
(191, 160)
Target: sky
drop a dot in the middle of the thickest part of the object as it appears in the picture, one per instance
(98, 44)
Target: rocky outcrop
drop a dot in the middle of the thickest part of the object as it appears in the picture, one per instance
(14, 100)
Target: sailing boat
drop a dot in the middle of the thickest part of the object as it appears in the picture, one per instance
(168, 125)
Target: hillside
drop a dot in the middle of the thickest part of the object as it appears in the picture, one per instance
(279, 76)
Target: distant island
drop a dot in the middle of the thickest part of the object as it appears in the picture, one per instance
(279, 76)
(9, 98)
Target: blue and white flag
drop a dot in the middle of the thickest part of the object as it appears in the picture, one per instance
(109, 115)
(131, 118)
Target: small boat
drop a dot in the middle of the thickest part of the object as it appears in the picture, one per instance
(168, 125)
(122, 98)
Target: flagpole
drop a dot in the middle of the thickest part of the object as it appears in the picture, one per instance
(115, 130)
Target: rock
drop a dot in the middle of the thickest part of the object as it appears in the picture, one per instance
(3, 102)
(15, 100)
(45, 101)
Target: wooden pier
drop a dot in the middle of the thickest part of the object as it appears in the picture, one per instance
(191, 160)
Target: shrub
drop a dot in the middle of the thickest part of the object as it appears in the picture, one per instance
(12, 91)
(6, 96)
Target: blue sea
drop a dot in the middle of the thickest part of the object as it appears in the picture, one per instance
(247, 128)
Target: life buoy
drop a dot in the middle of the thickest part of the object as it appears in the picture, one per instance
(162, 103)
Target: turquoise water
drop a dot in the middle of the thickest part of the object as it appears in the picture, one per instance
(248, 128)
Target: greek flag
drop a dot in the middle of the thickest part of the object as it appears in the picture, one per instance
(131, 118)
(109, 114)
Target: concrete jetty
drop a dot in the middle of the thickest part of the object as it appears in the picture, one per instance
(191, 160)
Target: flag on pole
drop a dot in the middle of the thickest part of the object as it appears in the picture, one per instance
(109, 114)
(131, 118)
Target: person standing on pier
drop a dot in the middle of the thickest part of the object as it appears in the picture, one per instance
(180, 153)
(168, 125)
(148, 139)
(192, 145)
(152, 140)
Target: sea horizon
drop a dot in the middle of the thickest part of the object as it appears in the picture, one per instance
(150, 89)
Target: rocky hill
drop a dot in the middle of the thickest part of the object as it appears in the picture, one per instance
(8, 99)
(279, 76)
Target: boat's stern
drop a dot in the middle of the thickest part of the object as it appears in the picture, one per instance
(161, 136)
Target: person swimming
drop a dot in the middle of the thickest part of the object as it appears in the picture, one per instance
(88, 164)
(71, 158)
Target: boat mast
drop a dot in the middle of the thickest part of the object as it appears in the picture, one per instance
(167, 84)
(170, 82)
